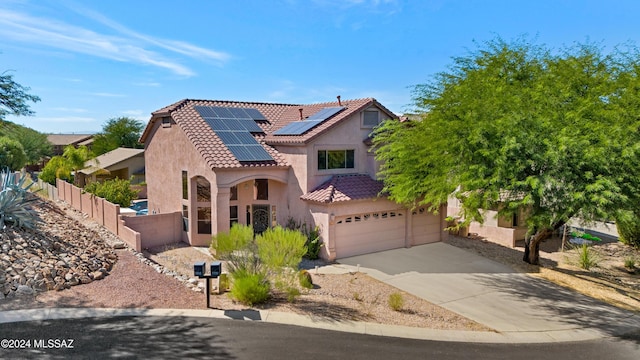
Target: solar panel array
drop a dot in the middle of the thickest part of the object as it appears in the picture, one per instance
(234, 127)
(300, 127)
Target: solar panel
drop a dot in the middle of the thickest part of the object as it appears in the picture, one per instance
(255, 114)
(300, 127)
(234, 127)
(325, 113)
(251, 126)
(250, 152)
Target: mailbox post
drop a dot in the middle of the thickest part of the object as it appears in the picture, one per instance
(199, 270)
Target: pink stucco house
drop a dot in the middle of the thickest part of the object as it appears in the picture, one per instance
(221, 162)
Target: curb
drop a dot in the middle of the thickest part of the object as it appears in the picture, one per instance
(365, 328)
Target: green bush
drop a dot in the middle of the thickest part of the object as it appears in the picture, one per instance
(281, 248)
(306, 281)
(628, 225)
(396, 301)
(56, 168)
(237, 248)
(250, 289)
(586, 257)
(12, 155)
(117, 191)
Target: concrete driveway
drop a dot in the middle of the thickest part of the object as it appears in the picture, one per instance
(493, 294)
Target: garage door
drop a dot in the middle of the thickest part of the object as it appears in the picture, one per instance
(367, 233)
(425, 226)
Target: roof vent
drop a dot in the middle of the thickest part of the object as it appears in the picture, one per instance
(301, 118)
(339, 102)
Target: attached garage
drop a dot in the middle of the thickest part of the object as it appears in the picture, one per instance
(425, 227)
(369, 232)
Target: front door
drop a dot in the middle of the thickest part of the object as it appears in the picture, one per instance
(260, 218)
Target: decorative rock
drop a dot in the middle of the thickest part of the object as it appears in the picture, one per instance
(24, 290)
(97, 275)
(119, 245)
(85, 279)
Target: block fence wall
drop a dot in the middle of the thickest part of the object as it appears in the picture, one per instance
(139, 232)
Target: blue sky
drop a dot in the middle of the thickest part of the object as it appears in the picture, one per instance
(92, 60)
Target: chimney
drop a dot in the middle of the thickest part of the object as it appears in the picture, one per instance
(301, 118)
(339, 102)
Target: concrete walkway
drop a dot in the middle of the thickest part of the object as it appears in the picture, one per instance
(518, 306)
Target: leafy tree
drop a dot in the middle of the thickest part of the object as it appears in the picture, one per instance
(118, 132)
(513, 126)
(62, 167)
(14, 97)
(116, 191)
(56, 168)
(12, 155)
(36, 145)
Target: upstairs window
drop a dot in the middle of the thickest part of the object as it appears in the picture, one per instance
(261, 187)
(336, 159)
(370, 118)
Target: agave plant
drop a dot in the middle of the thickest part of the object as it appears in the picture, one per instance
(14, 202)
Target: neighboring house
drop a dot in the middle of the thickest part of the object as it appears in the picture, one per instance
(122, 163)
(498, 229)
(263, 164)
(61, 141)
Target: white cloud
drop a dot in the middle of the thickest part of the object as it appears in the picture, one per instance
(126, 45)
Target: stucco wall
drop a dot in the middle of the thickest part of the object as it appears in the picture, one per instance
(155, 230)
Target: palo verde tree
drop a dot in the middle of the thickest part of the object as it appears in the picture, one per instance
(516, 127)
(14, 97)
(118, 132)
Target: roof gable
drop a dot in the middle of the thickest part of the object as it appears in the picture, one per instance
(277, 116)
(110, 158)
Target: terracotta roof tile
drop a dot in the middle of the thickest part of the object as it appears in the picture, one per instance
(345, 188)
(217, 155)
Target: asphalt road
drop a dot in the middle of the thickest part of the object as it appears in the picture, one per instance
(207, 338)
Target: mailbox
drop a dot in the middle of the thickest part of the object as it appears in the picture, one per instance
(199, 269)
(216, 269)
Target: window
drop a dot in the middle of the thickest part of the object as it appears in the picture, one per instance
(234, 193)
(261, 189)
(166, 122)
(233, 215)
(185, 187)
(336, 159)
(204, 220)
(185, 218)
(203, 189)
(370, 118)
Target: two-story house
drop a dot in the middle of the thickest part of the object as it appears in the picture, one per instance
(262, 164)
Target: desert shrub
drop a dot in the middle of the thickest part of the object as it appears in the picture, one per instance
(357, 296)
(313, 243)
(237, 248)
(396, 301)
(292, 293)
(250, 289)
(628, 225)
(305, 279)
(223, 281)
(12, 155)
(116, 191)
(587, 257)
(281, 248)
(630, 262)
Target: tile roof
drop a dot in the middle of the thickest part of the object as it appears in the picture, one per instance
(345, 188)
(217, 155)
(68, 139)
(109, 159)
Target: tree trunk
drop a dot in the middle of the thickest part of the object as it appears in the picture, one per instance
(532, 246)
